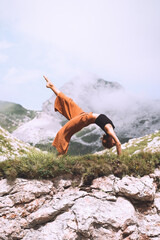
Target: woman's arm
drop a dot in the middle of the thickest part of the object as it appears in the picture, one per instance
(109, 130)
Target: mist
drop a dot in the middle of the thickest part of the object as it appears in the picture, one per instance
(118, 40)
(133, 114)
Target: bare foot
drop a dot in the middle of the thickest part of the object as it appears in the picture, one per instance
(49, 83)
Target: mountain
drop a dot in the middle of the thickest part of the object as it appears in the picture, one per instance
(133, 116)
(11, 147)
(66, 206)
(13, 115)
(147, 143)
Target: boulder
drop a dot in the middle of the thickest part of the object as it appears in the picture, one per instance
(142, 189)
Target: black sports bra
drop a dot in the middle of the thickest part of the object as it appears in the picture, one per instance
(102, 120)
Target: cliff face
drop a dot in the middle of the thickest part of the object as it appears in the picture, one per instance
(111, 208)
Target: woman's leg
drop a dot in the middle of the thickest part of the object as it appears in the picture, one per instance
(51, 86)
(63, 104)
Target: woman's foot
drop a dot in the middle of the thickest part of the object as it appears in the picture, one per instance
(49, 83)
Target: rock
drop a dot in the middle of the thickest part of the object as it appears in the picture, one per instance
(41, 216)
(104, 183)
(12, 147)
(90, 210)
(142, 189)
(29, 189)
(150, 225)
(10, 229)
(61, 202)
(44, 210)
(156, 173)
(5, 187)
(131, 232)
(157, 202)
(63, 227)
(6, 202)
(103, 195)
(101, 233)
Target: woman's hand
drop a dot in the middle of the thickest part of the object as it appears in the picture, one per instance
(109, 130)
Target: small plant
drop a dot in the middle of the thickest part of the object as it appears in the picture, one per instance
(41, 165)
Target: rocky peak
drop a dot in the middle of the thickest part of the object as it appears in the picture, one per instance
(133, 116)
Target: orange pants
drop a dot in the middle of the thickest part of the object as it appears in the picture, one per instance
(78, 119)
(66, 106)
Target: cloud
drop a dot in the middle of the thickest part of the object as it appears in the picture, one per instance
(20, 86)
(4, 45)
(17, 76)
(3, 58)
(117, 40)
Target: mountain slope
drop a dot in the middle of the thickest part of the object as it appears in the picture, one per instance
(147, 143)
(13, 115)
(11, 147)
(132, 116)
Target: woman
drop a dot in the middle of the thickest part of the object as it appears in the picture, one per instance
(79, 119)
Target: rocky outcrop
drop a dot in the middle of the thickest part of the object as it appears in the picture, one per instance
(11, 147)
(148, 143)
(110, 208)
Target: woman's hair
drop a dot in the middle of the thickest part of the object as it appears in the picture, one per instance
(107, 141)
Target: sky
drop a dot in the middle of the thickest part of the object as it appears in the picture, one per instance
(117, 40)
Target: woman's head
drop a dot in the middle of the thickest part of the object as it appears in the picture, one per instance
(108, 141)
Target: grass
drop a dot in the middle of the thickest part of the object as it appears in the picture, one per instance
(13, 115)
(5, 143)
(75, 148)
(47, 166)
(141, 144)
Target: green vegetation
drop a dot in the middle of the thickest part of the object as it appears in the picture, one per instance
(141, 143)
(46, 147)
(75, 148)
(12, 115)
(41, 165)
(5, 143)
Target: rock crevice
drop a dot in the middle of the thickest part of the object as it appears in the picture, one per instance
(112, 208)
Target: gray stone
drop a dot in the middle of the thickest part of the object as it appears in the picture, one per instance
(156, 173)
(32, 209)
(5, 187)
(104, 183)
(5, 202)
(150, 225)
(90, 210)
(62, 228)
(29, 189)
(142, 189)
(157, 201)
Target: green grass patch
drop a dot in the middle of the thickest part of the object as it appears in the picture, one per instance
(13, 115)
(5, 143)
(140, 144)
(47, 166)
